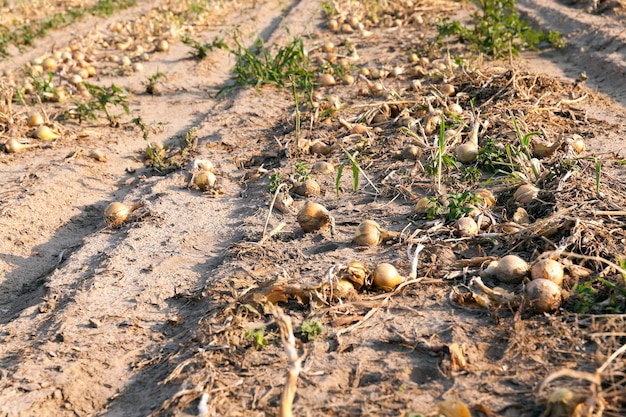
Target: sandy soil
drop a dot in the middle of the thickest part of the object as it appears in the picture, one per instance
(155, 317)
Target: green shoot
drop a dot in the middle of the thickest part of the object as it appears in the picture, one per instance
(302, 171)
(310, 329)
(524, 140)
(598, 167)
(257, 337)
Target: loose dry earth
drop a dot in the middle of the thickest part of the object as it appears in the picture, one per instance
(159, 316)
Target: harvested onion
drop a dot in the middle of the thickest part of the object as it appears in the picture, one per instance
(13, 146)
(35, 119)
(313, 217)
(327, 80)
(543, 295)
(511, 269)
(205, 180)
(323, 167)
(116, 213)
(423, 205)
(307, 188)
(466, 226)
(370, 233)
(466, 153)
(487, 196)
(386, 277)
(45, 133)
(548, 269)
(525, 194)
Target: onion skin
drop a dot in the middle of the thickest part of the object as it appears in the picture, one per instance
(313, 217)
(548, 269)
(543, 296)
(386, 277)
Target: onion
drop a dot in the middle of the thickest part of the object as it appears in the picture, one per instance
(45, 133)
(411, 152)
(320, 148)
(13, 146)
(35, 119)
(162, 46)
(323, 167)
(205, 180)
(543, 295)
(447, 89)
(98, 155)
(327, 80)
(487, 196)
(386, 277)
(466, 226)
(423, 205)
(453, 408)
(344, 289)
(203, 165)
(313, 217)
(370, 233)
(466, 153)
(455, 109)
(511, 269)
(283, 203)
(548, 269)
(577, 143)
(307, 188)
(116, 213)
(356, 272)
(525, 194)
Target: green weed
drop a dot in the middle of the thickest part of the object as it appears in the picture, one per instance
(453, 206)
(599, 296)
(165, 159)
(258, 66)
(43, 85)
(524, 140)
(202, 50)
(497, 30)
(440, 160)
(102, 100)
(302, 171)
(257, 337)
(25, 35)
(152, 83)
(310, 329)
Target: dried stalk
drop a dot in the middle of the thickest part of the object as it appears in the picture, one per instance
(295, 362)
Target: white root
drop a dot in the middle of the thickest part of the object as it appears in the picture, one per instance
(499, 296)
(414, 259)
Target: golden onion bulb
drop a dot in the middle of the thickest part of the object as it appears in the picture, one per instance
(386, 277)
(548, 269)
(511, 269)
(543, 296)
(313, 217)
